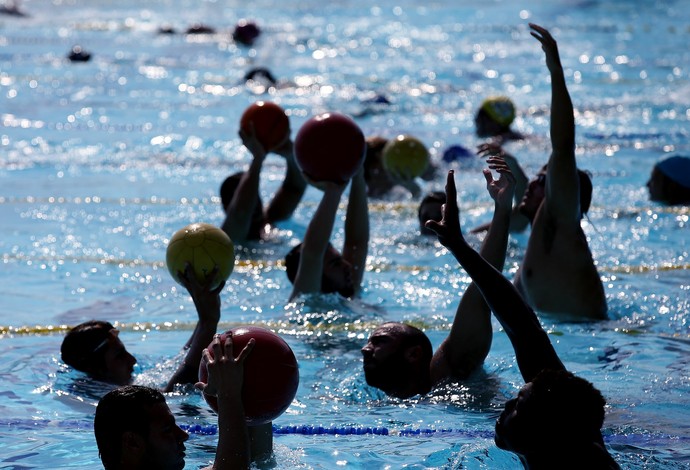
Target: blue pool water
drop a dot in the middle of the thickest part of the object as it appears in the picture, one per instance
(101, 162)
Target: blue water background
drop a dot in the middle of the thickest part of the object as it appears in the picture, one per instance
(101, 162)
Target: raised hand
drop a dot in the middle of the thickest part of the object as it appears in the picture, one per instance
(448, 228)
(252, 143)
(502, 189)
(490, 149)
(225, 371)
(548, 44)
(286, 148)
(206, 300)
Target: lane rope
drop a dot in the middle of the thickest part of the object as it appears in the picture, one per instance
(17, 425)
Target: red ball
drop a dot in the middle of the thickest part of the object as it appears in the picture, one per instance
(271, 124)
(246, 32)
(330, 147)
(271, 374)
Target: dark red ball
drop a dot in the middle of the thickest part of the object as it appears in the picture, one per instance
(271, 124)
(330, 147)
(246, 32)
(271, 374)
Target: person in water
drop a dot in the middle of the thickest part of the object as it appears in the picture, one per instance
(134, 427)
(398, 358)
(315, 265)
(494, 117)
(669, 181)
(558, 275)
(557, 416)
(94, 346)
(245, 217)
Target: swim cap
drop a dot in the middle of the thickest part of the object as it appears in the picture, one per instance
(500, 109)
(677, 169)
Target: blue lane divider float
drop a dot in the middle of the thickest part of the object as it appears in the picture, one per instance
(18, 424)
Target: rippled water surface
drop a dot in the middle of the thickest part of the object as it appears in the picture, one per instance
(102, 161)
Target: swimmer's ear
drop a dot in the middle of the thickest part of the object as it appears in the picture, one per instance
(413, 354)
(133, 445)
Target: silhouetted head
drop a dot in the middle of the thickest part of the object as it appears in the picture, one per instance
(669, 182)
(494, 117)
(336, 275)
(536, 192)
(94, 347)
(430, 209)
(227, 192)
(134, 428)
(377, 178)
(397, 359)
(556, 410)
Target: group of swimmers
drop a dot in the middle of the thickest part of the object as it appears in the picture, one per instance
(555, 416)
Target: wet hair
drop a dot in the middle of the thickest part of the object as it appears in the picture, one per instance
(227, 191)
(566, 407)
(292, 265)
(585, 182)
(674, 188)
(125, 409)
(585, 191)
(434, 197)
(81, 346)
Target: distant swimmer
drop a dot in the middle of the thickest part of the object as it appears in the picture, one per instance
(669, 182)
(200, 28)
(12, 9)
(78, 54)
(246, 32)
(494, 117)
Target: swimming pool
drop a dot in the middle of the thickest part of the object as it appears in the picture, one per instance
(101, 162)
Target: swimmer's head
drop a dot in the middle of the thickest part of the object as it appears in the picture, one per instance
(377, 178)
(134, 428)
(430, 209)
(397, 360)
(669, 181)
(536, 192)
(494, 117)
(555, 410)
(336, 275)
(94, 347)
(227, 192)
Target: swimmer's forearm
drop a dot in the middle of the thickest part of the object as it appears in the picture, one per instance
(533, 350)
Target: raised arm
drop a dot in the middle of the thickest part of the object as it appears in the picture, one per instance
(469, 340)
(207, 303)
(533, 349)
(316, 238)
(239, 211)
(518, 222)
(356, 246)
(562, 182)
(225, 378)
(290, 193)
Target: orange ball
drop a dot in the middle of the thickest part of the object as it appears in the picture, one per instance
(271, 124)
(271, 374)
(406, 156)
(204, 246)
(330, 147)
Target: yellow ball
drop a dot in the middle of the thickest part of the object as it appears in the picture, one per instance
(204, 246)
(406, 156)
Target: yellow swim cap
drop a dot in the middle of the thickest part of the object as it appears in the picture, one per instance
(500, 109)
